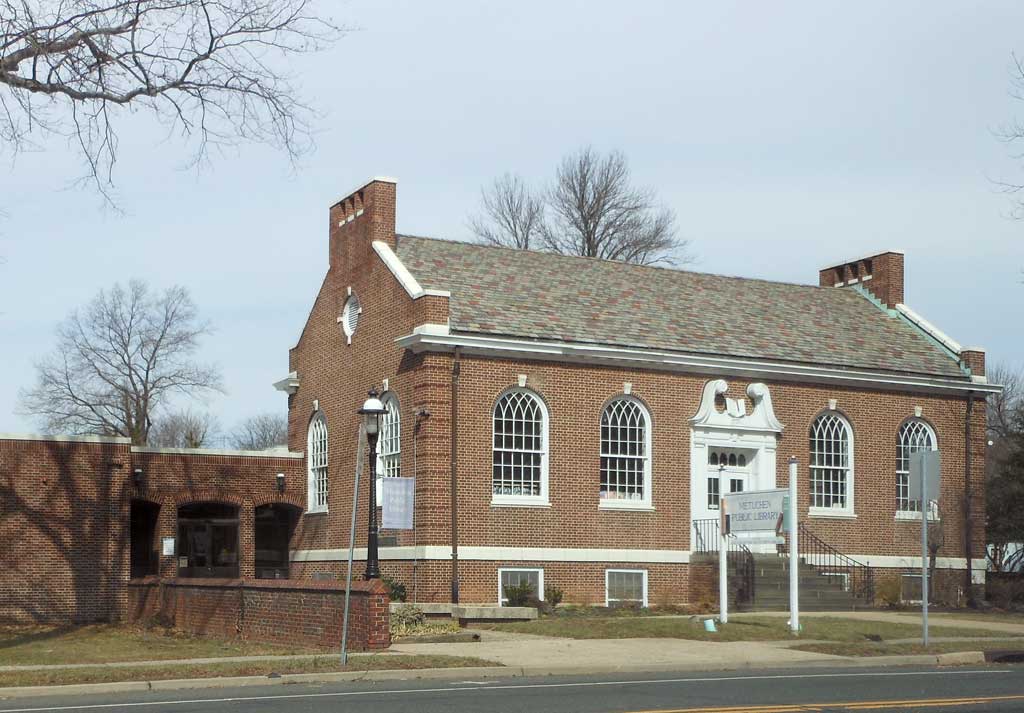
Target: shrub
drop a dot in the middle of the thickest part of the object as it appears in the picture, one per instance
(396, 590)
(553, 596)
(889, 590)
(520, 595)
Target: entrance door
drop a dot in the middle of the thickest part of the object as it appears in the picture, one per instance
(208, 540)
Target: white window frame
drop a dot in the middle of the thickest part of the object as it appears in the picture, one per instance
(848, 510)
(316, 423)
(540, 581)
(349, 318)
(908, 514)
(607, 600)
(644, 502)
(540, 500)
(389, 448)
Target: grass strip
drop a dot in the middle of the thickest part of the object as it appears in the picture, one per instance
(326, 664)
(868, 648)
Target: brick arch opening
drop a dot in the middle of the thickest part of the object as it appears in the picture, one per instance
(273, 529)
(144, 553)
(208, 539)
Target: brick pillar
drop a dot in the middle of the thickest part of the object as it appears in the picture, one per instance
(247, 541)
(167, 526)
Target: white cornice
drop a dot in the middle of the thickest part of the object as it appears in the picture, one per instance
(735, 417)
(289, 384)
(63, 439)
(930, 329)
(219, 452)
(487, 554)
(691, 363)
(847, 261)
(402, 274)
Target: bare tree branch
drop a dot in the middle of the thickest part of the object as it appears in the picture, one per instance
(258, 433)
(511, 216)
(592, 209)
(117, 361)
(203, 67)
(184, 429)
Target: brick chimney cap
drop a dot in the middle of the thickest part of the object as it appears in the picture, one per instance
(868, 256)
(973, 349)
(364, 184)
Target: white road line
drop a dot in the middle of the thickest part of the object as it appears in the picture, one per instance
(579, 684)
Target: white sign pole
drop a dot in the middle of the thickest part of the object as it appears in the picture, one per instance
(360, 439)
(925, 507)
(723, 567)
(794, 552)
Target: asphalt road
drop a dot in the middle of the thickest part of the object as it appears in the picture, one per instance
(994, 689)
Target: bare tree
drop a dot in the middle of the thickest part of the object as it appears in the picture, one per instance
(592, 209)
(118, 360)
(258, 433)
(184, 429)
(202, 67)
(511, 216)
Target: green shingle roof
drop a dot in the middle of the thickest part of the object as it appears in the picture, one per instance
(537, 295)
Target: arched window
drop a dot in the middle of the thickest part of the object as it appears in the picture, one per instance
(520, 463)
(914, 435)
(389, 460)
(625, 454)
(831, 463)
(316, 457)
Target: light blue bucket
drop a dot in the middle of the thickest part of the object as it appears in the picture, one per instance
(709, 625)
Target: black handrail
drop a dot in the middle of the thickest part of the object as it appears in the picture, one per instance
(706, 534)
(857, 577)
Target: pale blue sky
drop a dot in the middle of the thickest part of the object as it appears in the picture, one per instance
(786, 136)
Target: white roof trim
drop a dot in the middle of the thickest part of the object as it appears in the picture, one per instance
(847, 261)
(63, 439)
(692, 363)
(289, 383)
(932, 331)
(402, 274)
(219, 452)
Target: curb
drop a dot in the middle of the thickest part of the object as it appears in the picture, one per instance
(950, 659)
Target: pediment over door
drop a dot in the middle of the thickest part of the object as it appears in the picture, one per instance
(735, 417)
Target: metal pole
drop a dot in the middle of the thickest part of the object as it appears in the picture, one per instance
(723, 567)
(794, 552)
(925, 506)
(352, 544)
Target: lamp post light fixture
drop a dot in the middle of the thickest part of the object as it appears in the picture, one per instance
(371, 412)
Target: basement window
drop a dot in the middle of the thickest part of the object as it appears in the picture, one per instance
(625, 587)
(516, 577)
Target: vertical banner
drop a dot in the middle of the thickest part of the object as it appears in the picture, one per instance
(397, 501)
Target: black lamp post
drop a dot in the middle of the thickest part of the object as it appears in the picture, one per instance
(371, 413)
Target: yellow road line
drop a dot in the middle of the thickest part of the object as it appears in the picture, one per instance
(851, 706)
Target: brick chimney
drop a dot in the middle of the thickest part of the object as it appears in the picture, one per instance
(974, 359)
(360, 218)
(880, 274)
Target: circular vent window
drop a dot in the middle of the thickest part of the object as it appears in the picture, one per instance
(350, 316)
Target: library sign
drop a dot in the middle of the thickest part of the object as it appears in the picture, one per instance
(758, 511)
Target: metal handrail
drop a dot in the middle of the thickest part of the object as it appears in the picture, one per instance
(706, 541)
(858, 578)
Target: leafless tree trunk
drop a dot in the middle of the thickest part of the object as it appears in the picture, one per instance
(592, 209)
(202, 67)
(595, 211)
(183, 429)
(117, 361)
(258, 433)
(511, 215)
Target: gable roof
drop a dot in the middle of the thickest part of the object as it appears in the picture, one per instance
(537, 295)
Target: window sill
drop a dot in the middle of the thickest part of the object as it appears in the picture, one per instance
(834, 513)
(627, 506)
(519, 503)
(315, 511)
(914, 516)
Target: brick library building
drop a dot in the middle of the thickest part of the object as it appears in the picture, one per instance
(571, 423)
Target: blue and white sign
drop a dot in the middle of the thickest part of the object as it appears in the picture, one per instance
(397, 501)
(757, 511)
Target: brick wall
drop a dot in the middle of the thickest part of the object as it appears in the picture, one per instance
(294, 613)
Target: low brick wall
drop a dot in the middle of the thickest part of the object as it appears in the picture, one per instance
(301, 613)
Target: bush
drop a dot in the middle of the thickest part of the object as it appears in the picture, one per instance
(553, 596)
(396, 590)
(889, 590)
(521, 595)
(1004, 590)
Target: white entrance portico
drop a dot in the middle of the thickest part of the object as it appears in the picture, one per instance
(730, 450)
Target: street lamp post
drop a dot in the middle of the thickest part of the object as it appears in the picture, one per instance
(371, 413)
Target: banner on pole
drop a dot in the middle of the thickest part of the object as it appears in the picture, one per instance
(755, 511)
(397, 501)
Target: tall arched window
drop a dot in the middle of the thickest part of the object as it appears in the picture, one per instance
(914, 435)
(389, 462)
(625, 454)
(831, 441)
(520, 461)
(316, 457)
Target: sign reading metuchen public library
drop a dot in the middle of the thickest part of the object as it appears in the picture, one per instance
(756, 511)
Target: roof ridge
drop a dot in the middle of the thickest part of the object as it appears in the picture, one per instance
(623, 263)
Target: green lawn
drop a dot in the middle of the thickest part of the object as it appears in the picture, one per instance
(994, 618)
(107, 643)
(748, 628)
(376, 662)
(867, 648)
